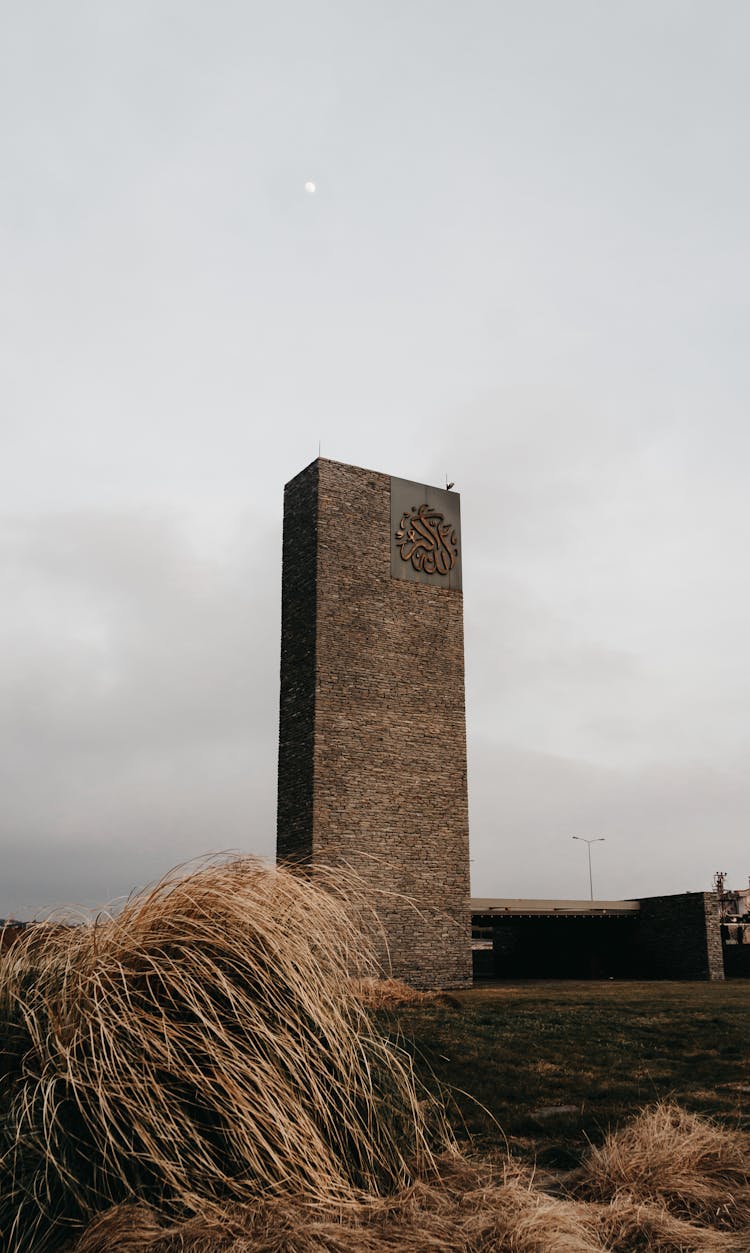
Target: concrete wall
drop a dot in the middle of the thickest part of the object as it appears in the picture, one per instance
(372, 754)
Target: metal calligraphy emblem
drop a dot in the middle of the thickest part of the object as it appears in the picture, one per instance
(426, 540)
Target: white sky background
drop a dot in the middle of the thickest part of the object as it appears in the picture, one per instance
(525, 266)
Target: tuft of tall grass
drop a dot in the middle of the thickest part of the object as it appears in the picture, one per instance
(688, 1165)
(378, 993)
(202, 1049)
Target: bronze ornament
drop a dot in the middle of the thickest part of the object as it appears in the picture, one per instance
(426, 540)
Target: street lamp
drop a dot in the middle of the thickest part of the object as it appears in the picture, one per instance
(599, 840)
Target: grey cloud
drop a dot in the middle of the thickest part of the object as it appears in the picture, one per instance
(526, 267)
(138, 697)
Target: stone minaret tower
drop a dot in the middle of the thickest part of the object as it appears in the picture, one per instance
(372, 752)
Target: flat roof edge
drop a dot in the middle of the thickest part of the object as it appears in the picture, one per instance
(518, 905)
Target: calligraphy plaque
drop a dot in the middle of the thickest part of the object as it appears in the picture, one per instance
(425, 534)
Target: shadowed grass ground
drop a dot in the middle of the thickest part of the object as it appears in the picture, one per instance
(607, 1049)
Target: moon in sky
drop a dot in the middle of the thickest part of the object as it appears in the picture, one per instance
(310, 188)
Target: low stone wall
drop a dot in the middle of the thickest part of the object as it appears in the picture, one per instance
(679, 937)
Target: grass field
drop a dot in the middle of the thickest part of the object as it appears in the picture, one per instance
(512, 1052)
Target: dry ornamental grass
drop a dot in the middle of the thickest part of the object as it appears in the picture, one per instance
(200, 1075)
(375, 993)
(667, 1157)
(463, 1207)
(202, 1048)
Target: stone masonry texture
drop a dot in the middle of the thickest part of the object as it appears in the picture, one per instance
(372, 751)
(679, 937)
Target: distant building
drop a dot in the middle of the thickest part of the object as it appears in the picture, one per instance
(656, 937)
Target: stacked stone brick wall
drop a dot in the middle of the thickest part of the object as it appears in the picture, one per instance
(297, 700)
(372, 766)
(679, 937)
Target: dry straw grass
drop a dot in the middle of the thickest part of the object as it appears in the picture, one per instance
(376, 993)
(461, 1207)
(200, 1075)
(690, 1166)
(201, 1049)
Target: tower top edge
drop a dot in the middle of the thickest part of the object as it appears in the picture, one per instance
(345, 465)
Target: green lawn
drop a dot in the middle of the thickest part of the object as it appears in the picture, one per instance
(510, 1051)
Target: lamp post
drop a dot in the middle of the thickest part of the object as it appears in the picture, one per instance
(598, 840)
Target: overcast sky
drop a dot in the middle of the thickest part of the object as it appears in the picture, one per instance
(525, 266)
